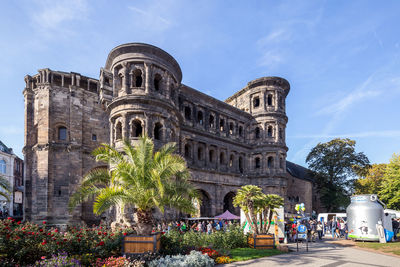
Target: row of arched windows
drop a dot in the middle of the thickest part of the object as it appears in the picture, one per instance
(200, 120)
(136, 130)
(270, 132)
(270, 162)
(256, 101)
(212, 157)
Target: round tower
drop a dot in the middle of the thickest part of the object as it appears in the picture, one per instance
(139, 87)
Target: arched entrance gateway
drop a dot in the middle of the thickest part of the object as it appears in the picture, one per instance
(228, 204)
(205, 207)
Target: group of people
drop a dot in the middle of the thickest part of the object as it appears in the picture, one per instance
(202, 226)
(314, 230)
(338, 228)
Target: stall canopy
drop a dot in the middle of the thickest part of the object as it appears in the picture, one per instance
(227, 216)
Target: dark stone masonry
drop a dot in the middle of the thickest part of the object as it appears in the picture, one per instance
(226, 144)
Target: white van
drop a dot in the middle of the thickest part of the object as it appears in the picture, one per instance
(326, 217)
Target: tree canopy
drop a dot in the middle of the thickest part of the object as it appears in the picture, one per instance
(370, 179)
(389, 191)
(334, 165)
(5, 188)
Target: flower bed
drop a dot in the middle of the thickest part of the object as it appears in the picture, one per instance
(26, 243)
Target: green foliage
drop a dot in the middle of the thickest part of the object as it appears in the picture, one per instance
(370, 180)
(335, 164)
(175, 242)
(390, 187)
(140, 178)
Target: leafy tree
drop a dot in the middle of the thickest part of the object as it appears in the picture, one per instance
(390, 187)
(370, 180)
(334, 164)
(140, 178)
(247, 198)
(5, 188)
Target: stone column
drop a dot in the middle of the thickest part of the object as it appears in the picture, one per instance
(147, 77)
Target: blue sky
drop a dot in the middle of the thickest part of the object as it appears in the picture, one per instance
(342, 58)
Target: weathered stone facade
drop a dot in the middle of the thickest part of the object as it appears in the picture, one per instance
(226, 144)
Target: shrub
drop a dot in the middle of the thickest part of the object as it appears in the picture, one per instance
(26, 243)
(194, 259)
(175, 242)
(118, 262)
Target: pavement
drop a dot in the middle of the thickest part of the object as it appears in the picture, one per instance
(323, 253)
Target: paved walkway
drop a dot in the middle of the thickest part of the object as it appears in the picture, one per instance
(323, 254)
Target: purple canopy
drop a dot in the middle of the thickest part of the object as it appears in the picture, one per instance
(227, 216)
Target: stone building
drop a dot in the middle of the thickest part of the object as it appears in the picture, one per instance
(11, 168)
(226, 144)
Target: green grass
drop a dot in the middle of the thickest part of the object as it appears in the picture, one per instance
(391, 247)
(244, 254)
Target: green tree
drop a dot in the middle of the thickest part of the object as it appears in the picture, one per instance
(390, 187)
(247, 198)
(334, 165)
(138, 178)
(5, 188)
(370, 180)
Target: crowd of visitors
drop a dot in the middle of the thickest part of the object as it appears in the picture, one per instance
(317, 229)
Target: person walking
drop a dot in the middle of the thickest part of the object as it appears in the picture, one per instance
(333, 228)
(319, 230)
(209, 228)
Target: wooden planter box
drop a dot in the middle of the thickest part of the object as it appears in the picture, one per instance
(264, 241)
(136, 244)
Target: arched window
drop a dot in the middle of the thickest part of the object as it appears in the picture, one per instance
(222, 158)
(137, 129)
(62, 133)
(211, 121)
(211, 156)
(118, 131)
(241, 164)
(188, 151)
(221, 125)
(258, 132)
(256, 102)
(3, 166)
(188, 113)
(200, 117)
(231, 127)
(172, 136)
(157, 82)
(240, 131)
(138, 80)
(269, 131)
(231, 161)
(281, 162)
(200, 153)
(158, 131)
(257, 163)
(269, 100)
(270, 162)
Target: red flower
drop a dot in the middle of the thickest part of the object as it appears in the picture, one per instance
(58, 243)
(19, 222)
(79, 240)
(44, 222)
(104, 233)
(49, 234)
(101, 243)
(56, 230)
(9, 218)
(65, 240)
(125, 233)
(41, 230)
(99, 233)
(44, 242)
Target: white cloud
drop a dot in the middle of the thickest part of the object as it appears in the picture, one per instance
(50, 15)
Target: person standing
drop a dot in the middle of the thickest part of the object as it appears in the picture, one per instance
(333, 228)
(319, 230)
(209, 228)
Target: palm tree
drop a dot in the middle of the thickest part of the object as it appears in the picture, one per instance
(271, 203)
(247, 198)
(140, 178)
(5, 188)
